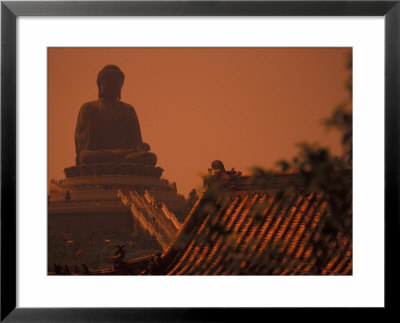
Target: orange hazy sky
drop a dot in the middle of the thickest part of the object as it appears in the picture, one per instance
(245, 106)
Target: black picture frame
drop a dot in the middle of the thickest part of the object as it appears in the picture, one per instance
(11, 10)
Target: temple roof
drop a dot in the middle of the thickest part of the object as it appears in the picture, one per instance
(248, 230)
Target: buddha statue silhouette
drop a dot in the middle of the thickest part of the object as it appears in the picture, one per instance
(107, 129)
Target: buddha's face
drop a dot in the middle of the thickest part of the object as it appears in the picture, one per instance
(110, 87)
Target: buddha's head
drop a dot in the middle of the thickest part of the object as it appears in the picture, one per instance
(109, 81)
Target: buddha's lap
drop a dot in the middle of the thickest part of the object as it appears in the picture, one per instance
(117, 155)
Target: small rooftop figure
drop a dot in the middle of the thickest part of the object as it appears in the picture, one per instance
(217, 173)
(218, 167)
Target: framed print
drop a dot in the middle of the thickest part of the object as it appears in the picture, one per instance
(137, 139)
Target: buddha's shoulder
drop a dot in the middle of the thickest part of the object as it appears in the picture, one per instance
(94, 106)
(89, 106)
(126, 106)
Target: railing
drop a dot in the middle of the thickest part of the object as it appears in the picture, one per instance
(153, 215)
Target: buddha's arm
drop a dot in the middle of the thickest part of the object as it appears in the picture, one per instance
(82, 130)
(134, 128)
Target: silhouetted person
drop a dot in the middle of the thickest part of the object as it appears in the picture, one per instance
(119, 255)
(157, 258)
(150, 267)
(76, 269)
(57, 269)
(85, 269)
(67, 196)
(66, 270)
(107, 129)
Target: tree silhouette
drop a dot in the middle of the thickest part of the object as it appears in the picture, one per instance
(320, 170)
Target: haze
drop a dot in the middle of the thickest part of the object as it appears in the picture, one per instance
(245, 106)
